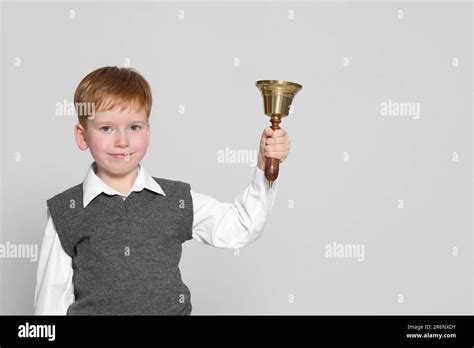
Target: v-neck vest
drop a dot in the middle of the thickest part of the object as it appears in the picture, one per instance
(125, 253)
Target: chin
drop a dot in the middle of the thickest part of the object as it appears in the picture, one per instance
(119, 168)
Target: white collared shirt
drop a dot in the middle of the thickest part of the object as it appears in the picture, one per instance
(222, 225)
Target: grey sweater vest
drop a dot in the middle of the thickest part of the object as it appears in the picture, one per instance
(125, 253)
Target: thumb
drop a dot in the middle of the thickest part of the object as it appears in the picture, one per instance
(268, 131)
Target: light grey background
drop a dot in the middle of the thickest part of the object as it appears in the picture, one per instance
(321, 198)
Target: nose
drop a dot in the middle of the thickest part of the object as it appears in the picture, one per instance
(121, 139)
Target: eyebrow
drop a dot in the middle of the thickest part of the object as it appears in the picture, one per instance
(111, 122)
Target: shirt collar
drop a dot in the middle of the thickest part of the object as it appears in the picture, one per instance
(92, 186)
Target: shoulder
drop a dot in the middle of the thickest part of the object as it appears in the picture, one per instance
(74, 192)
(169, 185)
(60, 207)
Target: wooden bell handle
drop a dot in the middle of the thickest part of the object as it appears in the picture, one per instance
(272, 165)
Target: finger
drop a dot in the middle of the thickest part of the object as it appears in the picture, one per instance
(279, 140)
(268, 132)
(276, 147)
(279, 133)
(277, 155)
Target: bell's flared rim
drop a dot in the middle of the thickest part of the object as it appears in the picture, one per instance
(278, 84)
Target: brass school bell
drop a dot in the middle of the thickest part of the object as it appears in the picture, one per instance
(277, 98)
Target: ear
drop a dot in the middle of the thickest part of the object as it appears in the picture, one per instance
(148, 134)
(80, 135)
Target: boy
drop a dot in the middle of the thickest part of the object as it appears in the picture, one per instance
(113, 243)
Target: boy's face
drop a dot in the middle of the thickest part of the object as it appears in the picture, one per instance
(118, 140)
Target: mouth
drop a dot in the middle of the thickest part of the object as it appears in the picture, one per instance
(121, 155)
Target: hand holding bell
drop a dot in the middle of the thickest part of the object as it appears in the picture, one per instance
(277, 98)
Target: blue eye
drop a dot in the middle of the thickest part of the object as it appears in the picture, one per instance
(102, 128)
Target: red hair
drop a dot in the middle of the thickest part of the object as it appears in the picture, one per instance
(109, 88)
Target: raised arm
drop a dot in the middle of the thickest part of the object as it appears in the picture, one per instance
(234, 225)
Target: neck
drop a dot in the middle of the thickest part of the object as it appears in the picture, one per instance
(121, 183)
